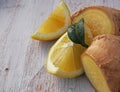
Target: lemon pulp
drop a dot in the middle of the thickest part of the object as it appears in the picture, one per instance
(55, 25)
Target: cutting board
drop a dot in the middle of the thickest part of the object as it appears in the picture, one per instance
(23, 60)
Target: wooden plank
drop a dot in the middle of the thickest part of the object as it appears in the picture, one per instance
(22, 56)
(22, 59)
(44, 82)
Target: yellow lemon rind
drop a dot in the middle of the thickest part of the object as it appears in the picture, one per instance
(51, 36)
(57, 72)
(52, 69)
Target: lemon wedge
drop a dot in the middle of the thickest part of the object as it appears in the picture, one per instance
(55, 25)
(64, 57)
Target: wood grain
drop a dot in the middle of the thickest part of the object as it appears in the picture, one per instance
(22, 59)
(44, 82)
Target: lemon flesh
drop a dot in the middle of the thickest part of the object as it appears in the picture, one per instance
(64, 57)
(55, 25)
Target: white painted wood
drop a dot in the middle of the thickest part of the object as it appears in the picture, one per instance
(21, 57)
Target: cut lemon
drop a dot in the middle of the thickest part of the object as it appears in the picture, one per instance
(64, 57)
(55, 25)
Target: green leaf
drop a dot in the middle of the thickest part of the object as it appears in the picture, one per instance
(71, 34)
(76, 33)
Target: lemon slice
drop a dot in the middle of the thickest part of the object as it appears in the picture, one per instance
(64, 57)
(55, 25)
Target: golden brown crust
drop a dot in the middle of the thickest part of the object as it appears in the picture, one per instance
(113, 14)
(105, 50)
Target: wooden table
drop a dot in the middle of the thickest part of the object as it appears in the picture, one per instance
(22, 60)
